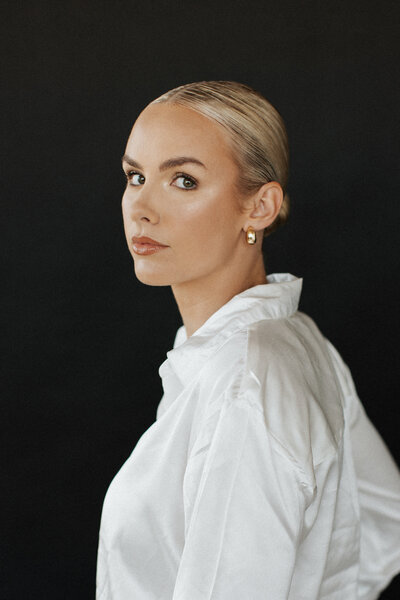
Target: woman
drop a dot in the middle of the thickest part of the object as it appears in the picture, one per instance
(262, 477)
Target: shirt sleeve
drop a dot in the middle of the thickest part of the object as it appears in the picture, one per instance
(244, 507)
(378, 484)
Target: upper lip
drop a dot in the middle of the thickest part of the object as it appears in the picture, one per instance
(146, 240)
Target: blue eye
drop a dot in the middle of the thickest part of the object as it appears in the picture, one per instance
(188, 183)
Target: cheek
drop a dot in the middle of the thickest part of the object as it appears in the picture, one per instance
(204, 233)
(125, 217)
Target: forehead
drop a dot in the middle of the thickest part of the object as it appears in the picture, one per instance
(171, 129)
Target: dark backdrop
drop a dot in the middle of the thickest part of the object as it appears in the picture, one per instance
(83, 338)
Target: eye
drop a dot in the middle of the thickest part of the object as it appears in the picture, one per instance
(187, 182)
(135, 178)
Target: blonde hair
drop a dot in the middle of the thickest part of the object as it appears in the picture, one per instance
(257, 132)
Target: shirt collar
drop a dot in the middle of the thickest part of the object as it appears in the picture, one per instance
(276, 299)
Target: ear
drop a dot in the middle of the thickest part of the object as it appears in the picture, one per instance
(266, 204)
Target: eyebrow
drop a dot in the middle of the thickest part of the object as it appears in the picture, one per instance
(167, 164)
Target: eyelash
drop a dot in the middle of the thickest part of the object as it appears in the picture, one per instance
(130, 174)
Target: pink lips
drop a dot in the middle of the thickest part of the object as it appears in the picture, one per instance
(144, 245)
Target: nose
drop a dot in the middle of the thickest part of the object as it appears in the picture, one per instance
(137, 205)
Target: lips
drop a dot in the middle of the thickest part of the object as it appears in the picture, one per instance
(146, 240)
(145, 245)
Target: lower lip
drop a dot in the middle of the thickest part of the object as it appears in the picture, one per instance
(144, 249)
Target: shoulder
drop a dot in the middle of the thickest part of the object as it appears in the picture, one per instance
(223, 372)
(284, 369)
(289, 375)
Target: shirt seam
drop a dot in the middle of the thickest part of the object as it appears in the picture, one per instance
(279, 446)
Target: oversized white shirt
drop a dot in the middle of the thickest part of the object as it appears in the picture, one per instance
(262, 477)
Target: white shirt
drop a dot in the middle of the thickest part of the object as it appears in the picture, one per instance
(262, 477)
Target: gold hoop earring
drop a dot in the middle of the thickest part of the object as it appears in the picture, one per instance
(251, 236)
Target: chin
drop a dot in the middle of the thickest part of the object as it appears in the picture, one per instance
(150, 276)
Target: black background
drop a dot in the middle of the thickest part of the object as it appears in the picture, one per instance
(83, 338)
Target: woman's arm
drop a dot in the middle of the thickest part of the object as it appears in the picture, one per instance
(244, 509)
(378, 483)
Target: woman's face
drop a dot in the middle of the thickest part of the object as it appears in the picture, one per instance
(192, 208)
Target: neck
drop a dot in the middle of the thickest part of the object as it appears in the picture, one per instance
(198, 299)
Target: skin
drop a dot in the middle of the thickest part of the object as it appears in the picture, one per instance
(208, 260)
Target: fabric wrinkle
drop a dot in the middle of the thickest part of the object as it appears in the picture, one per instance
(261, 476)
